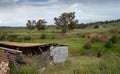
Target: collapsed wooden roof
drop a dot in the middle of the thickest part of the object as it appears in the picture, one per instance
(21, 44)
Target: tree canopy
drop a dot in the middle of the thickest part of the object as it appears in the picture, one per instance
(31, 24)
(66, 21)
(41, 25)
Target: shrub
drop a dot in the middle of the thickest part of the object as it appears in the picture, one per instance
(19, 39)
(99, 54)
(114, 39)
(109, 44)
(43, 36)
(95, 40)
(2, 37)
(52, 38)
(27, 38)
(12, 37)
(87, 46)
(96, 26)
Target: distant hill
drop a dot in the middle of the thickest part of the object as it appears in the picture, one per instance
(99, 23)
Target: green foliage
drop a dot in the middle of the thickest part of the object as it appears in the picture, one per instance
(114, 39)
(94, 40)
(31, 24)
(87, 46)
(27, 38)
(2, 37)
(109, 44)
(25, 69)
(12, 37)
(19, 39)
(96, 26)
(43, 36)
(99, 53)
(66, 21)
(52, 38)
(87, 65)
(41, 25)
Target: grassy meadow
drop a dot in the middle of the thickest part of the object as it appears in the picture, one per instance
(81, 60)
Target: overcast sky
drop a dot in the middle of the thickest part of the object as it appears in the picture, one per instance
(17, 12)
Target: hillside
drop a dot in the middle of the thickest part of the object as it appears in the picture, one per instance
(89, 52)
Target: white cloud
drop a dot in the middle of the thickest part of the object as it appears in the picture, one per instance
(0, 21)
(18, 13)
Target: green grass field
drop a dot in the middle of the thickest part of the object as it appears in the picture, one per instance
(76, 64)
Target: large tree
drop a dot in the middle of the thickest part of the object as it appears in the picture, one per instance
(41, 25)
(66, 21)
(31, 24)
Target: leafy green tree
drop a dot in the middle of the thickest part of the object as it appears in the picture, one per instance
(41, 25)
(31, 24)
(66, 21)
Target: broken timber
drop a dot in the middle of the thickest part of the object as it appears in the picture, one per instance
(11, 55)
(11, 50)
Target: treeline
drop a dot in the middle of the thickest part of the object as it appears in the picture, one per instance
(65, 22)
(96, 24)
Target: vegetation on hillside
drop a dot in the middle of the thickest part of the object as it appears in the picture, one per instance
(86, 55)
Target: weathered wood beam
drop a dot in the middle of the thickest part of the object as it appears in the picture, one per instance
(10, 50)
(40, 49)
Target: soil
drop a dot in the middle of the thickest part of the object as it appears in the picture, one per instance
(3, 56)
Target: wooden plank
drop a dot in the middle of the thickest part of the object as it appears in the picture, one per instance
(10, 50)
(12, 58)
(40, 49)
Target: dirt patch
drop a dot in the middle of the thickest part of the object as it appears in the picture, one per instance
(3, 56)
(90, 35)
(4, 64)
(103, 38)
(99, 36)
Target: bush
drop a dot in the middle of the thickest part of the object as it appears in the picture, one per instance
(19, 39)
(114, 39)
(52, 38)
(43, 36)
(99, 54)
(12, 37)
(96, 26)
(87, 46)
(95, 40)
(2, 37)
(27, 38)
(109, 44)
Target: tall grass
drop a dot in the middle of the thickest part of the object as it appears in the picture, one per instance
(25, 69)
(87, 65)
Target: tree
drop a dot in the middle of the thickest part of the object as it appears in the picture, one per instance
(31, 24)
(41, 25)
(66, 21)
